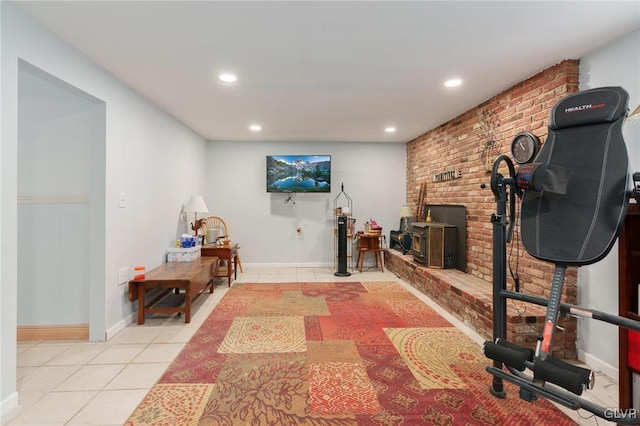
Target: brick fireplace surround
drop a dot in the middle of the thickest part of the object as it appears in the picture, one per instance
(467, 144)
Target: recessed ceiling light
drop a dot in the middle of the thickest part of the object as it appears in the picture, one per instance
(390, 129)
(228, 78)
(255, 127)
(454, 82)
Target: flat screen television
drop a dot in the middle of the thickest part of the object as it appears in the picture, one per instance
(298, 173)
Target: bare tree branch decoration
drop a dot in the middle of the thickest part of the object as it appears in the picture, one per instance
(488, 131)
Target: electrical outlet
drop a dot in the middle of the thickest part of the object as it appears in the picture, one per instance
(123, 275)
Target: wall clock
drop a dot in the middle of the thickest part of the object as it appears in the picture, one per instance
(524, 147)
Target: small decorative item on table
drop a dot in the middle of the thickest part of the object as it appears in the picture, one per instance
(139, 273)
(212, 235)
(187, 241)
(374, 228)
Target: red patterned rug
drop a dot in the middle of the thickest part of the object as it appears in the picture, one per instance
(348, 353)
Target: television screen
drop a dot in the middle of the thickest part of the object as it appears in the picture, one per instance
(298, 173)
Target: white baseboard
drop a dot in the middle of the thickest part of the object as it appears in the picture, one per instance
(599, 365)
(8, 404)
(288, 265)
(120, 325)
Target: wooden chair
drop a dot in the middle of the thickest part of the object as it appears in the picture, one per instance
(370, 244)
(216, 222)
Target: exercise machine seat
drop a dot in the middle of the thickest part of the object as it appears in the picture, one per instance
(578, 225)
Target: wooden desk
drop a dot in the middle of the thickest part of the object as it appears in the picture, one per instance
(227, 253)
(369, 244)
(192, 277)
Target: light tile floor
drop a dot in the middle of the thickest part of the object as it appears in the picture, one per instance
(82, 383)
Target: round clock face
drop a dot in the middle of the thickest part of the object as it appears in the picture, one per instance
(524, 147)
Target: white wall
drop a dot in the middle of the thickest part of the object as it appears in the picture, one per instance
(143, 153)
(374, 176)
(8, 294)
(616, 64)
(57, 130)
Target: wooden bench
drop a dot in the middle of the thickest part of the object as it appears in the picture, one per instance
(191, 277)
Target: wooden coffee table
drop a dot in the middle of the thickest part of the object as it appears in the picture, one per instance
(170, 278)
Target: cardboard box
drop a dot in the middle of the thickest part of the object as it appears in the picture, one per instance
(183, 254)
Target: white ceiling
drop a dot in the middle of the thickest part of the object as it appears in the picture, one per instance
(328, 71)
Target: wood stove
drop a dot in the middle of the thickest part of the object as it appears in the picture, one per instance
(434, 244)
(420, 242)
(449, 245)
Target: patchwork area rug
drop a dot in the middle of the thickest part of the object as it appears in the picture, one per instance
(348, 353)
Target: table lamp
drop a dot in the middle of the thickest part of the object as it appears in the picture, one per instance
(405, 212)
(196, 205)
(635, 115)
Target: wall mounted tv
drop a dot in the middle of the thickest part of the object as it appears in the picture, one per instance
(298, 173)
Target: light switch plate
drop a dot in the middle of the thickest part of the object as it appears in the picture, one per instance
(123, 200)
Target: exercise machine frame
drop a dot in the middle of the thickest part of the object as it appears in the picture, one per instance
(506, 190)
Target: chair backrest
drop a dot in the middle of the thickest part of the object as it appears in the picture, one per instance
(215, 222)
(585, 140)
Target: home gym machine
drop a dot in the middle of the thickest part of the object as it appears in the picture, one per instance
(574, 198)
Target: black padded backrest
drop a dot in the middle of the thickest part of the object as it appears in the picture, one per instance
(585, 137)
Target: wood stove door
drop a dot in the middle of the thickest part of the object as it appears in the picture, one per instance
(420, 244)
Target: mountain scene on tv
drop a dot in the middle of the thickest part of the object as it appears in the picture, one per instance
(299, 173)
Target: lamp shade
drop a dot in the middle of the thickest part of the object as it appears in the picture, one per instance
(405, 211)
(196, 204)
(635, 115)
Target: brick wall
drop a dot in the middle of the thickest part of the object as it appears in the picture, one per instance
(459, 145)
